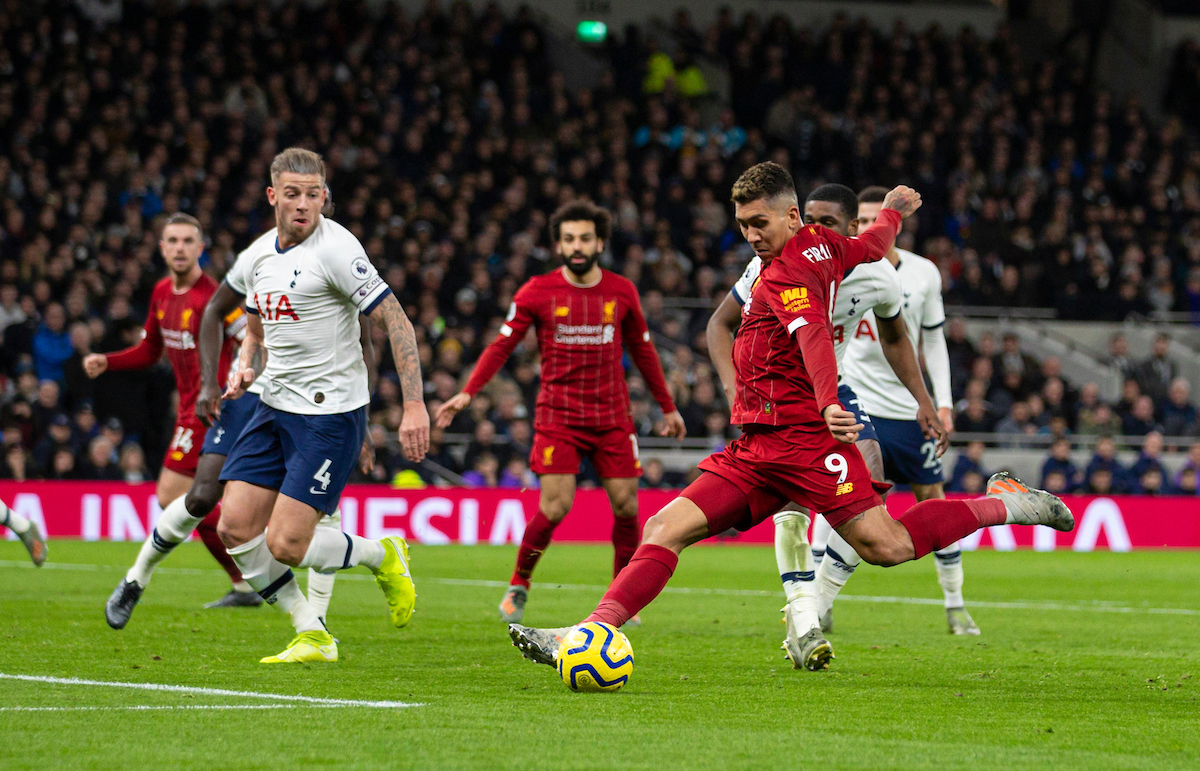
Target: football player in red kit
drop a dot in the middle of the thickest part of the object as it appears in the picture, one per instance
(584, 317)
(797, 443)
(173, 323)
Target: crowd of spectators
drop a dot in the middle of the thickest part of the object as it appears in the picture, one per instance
(450, 134)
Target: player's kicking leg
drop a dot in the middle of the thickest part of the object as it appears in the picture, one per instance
(27, 531)
(804, 645)
(626, 534)
(554, 503)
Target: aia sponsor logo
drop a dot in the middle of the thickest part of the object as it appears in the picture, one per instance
(280, 310)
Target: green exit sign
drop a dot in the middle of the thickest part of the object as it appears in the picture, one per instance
(591, 32)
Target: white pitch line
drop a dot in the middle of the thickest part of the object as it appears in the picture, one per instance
(150, 708)
(212, 692)
(1098, 606)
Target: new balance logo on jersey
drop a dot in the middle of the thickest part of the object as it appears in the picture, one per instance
(844, 487)
(818, 253)
(282, 309)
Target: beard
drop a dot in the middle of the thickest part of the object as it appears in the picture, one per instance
(580, 269)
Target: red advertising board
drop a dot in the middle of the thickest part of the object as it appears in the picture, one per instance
(113, 511)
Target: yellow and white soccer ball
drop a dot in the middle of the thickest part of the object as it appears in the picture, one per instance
(595, 657)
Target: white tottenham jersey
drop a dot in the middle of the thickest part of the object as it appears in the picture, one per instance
(237, 282)
(867, 370)
(871, 285)
(309, 297)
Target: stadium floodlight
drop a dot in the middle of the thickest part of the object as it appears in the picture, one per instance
(591, 32)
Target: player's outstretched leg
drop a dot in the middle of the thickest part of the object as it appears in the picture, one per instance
(835, 570)
(679, 524)
(27, 531)
(174, 526)
(795, 562)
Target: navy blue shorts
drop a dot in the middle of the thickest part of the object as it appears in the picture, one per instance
(305, 457)
(235, 415)
(908, 457)
(850, 402)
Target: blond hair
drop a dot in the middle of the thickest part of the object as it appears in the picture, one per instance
(297, 160)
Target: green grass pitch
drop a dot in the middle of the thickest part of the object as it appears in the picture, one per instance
(1086, 661)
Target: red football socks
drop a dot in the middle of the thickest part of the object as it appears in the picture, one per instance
(537, 537)
(637, 585)
(626, 533)
(208, 533)
(935, 524)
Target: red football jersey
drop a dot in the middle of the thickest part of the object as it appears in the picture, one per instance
(173, 323)
(778, 383)
(581, 332)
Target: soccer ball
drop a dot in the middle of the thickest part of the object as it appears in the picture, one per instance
(595, 657)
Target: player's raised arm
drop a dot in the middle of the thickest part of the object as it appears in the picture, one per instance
(874, 242)
(212, 338)
(414, 426)
(636, 334)
(148, 351)
(893, 338)
(520, 317)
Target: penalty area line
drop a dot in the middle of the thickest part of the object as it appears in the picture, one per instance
(201, 690)
(153, 708)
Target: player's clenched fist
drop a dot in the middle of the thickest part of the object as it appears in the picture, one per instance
(903, 199)
(414, 431)
(673, 425)
(451, 407)
(239, 381)
(94, 364)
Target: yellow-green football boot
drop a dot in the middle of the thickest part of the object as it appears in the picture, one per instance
(395, 580)
(314, 647)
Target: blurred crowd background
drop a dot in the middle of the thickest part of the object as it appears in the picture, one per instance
(450, 136)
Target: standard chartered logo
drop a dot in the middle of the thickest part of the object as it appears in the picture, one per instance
(584, 334)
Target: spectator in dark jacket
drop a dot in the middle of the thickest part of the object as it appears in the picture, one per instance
(970, 461)
(1155, 374)
(1105, 459)
(52, 344)
(1178, 413)
(1060, 462)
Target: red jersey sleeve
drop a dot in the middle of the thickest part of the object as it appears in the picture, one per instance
(800, 296)
(637, 339)
(520, 316)
(871, 244)
(146, 352)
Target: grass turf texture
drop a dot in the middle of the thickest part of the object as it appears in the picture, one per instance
(1076, 687)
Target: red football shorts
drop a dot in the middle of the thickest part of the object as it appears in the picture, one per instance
(183, 455)
(756, 474)
(558, 450)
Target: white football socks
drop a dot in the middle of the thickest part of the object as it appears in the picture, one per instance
(174, 526)
(795, 562)
(332, 550)
(12, 520)
(275, 582)
(820, 537)
(835, 570)
(320, 591)
(950, 574)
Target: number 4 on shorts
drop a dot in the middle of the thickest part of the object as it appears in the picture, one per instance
(322, 476)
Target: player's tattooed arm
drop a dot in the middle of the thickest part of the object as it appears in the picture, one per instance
(414, 426)
(212, 338)
(893, 338)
